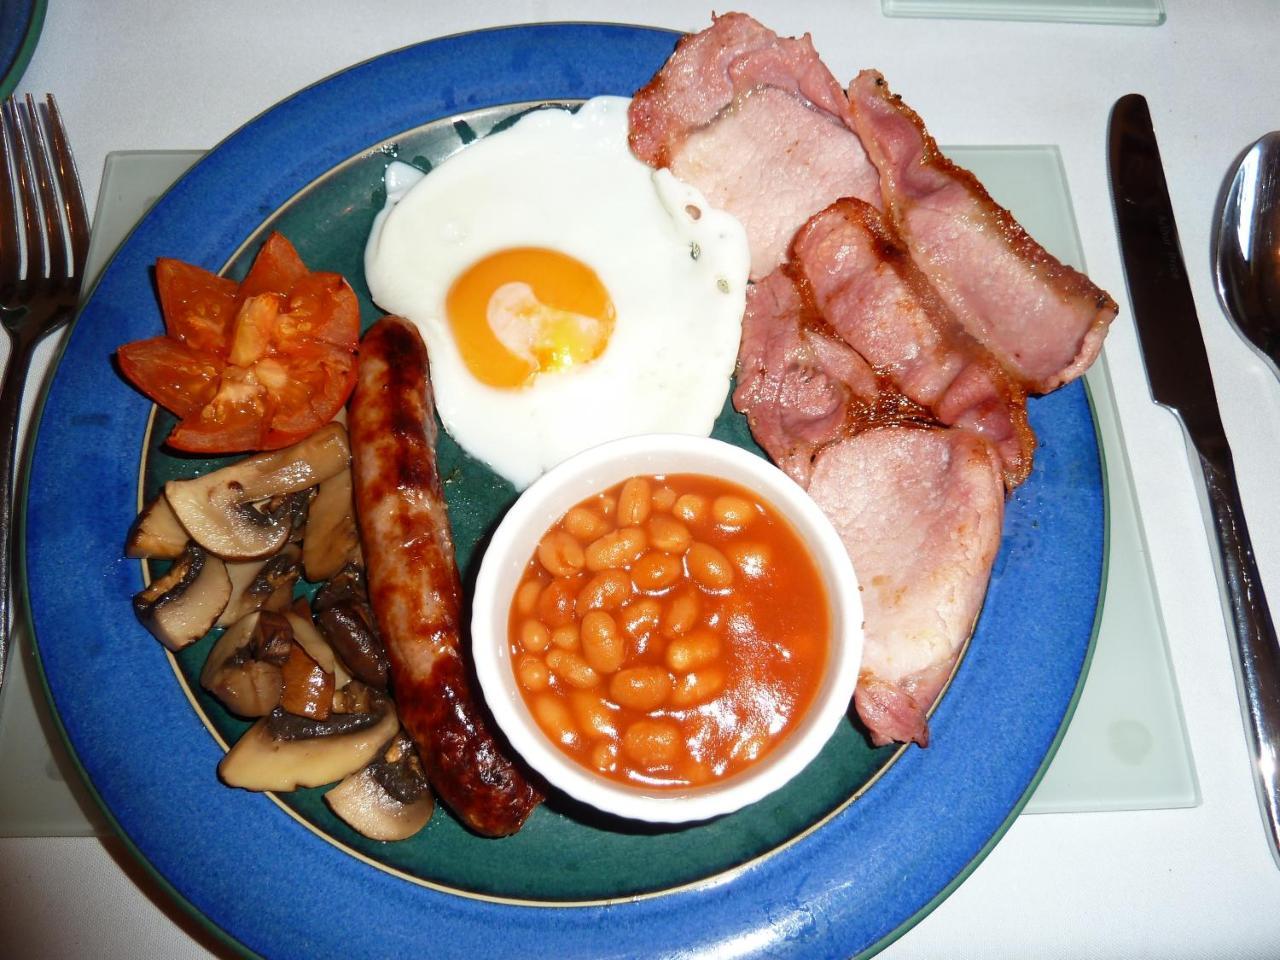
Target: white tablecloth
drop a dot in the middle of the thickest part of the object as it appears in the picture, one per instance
(1200, 882)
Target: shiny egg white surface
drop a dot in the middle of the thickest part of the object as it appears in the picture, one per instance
(568, 294)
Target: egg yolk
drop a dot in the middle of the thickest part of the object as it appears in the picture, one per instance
(528, 310)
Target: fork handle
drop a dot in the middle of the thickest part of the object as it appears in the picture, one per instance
(22, 347)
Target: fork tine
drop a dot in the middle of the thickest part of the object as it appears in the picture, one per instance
(28, 200)
(55, 235)
(68, 185)
(10, 245)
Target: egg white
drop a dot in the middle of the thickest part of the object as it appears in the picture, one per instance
(675, 268)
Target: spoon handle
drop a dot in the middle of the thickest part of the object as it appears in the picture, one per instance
(1255, 648)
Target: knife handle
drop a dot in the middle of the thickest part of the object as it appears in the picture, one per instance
(1257, 654)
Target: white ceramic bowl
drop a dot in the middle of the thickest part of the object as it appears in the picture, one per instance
(595, 470)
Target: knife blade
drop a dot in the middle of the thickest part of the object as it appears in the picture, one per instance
(1177, 368)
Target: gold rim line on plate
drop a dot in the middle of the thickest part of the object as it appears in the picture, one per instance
(386, 148)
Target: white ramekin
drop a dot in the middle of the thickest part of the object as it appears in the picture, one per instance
(590, 472)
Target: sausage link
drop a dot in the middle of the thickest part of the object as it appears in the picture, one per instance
(414, 586)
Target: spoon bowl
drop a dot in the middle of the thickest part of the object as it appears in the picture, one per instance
(1247, 254)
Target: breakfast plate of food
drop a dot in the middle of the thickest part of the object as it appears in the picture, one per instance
(258, 634)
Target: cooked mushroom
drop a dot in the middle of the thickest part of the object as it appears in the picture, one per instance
(345, 618)
(243, 668)
(331, 540)
(318, 648)
(263, 584)
(387, 800)
(294, 507)
(181, 606)
(308, 688)
(156, 533)
(283, 752)
(218, 509)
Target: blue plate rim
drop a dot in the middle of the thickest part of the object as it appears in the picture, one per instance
(593, 58)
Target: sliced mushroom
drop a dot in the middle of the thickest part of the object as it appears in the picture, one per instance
(156, 533)
(243, 668)
(387, 800)
(294, 507)
(218, 509)
(180, 607)
(263, 584)
(308, 688)
(283, 752)
(345, 618)
(331, 540)
(305, 632)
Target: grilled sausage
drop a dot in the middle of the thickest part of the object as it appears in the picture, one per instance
(414, 586)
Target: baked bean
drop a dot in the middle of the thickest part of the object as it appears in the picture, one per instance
(664, 498)
(594, 718)
(732, 513)
(690, 507)
(572, 669)
(560, 553)
(656, 570)
(555, 604)
(651, 743)
(532, 674)
(585, 524)
(602, 643)
(617, 549)
(527, 596)
(608, 505)
(640, 688)
(669, 535)
(641, 617)
(708, 567)
(555, 720)
(698, 687)
(751, 558)
(565, 637)
(604, 756)
(690, 652)
(607, 590)
(695, 771)
(681, 613)
(534, 636)
(633, 502)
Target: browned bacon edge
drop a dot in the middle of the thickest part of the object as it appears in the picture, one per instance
(1067, 282)
(414, 585)
(691, 89)
(982, 397)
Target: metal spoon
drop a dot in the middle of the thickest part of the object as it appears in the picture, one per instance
(1247, 258)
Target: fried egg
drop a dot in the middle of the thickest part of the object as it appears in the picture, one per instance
(568, 294)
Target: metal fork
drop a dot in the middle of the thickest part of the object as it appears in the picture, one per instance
(44, 237)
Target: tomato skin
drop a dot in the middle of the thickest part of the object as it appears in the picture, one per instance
(233, 420)
(318, 379)
(171, 373)
(276, 268)
(324, 307)
(252, 366)
(198, 306)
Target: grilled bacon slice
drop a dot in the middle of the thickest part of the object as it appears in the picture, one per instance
(864, 284)
(759, 125)
(920, 512)
(1043, 320)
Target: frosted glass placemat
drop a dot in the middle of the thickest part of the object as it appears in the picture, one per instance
(1126, 747)
(1139, 13)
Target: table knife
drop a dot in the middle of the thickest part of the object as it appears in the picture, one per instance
(1177, 367)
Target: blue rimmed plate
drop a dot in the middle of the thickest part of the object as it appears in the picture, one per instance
(274, 883)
